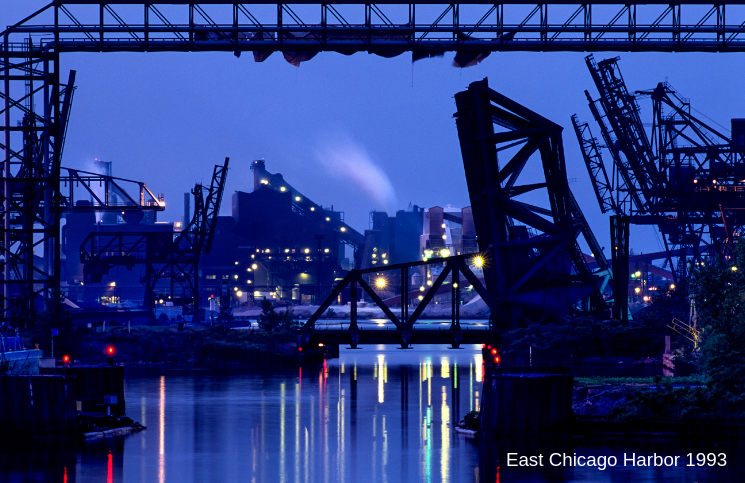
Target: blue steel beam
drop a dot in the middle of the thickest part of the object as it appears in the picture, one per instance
(390, 28)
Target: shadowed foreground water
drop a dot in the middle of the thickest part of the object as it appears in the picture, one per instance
(375, 415)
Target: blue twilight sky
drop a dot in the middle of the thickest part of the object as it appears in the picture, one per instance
(167, 118)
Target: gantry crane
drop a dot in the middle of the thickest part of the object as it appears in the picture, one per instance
(686, 177)
(172, 256)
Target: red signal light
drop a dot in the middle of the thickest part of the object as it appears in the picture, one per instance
(488, 347)
(494, 351)
(496, 360)
(66, 359)
(110, 351)
(300, 349)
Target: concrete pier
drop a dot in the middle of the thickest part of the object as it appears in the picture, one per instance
(526, 400)
(37, 405)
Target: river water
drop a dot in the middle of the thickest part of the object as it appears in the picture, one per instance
(378, 414)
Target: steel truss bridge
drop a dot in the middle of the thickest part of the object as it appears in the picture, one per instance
(373, 281)
(36, 97)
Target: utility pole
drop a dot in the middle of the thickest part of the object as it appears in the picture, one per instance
(320, 266)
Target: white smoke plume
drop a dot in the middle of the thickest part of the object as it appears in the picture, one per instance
(343, 158)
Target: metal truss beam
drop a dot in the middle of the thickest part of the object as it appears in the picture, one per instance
(34, 106)
(406, 328)
(595, 166)
(535, 268)
(85, 191)
(388, 28)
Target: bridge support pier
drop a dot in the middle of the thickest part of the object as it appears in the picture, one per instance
(526, 400)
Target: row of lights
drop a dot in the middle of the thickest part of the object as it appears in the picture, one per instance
(287, 250)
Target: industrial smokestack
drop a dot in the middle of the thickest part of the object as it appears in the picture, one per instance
(187, 209)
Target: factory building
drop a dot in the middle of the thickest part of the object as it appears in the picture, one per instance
(418, 232)
(277, 244)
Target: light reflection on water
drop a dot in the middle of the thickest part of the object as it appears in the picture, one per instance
(379, 414)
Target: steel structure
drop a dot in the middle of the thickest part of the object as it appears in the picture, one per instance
(535, 267)
(85, 191)
(685, 177)
(166, 255)
(390, 28)
(405, 330)
(36, 98)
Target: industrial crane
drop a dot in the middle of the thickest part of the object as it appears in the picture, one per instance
(166, 255)
(686, 178)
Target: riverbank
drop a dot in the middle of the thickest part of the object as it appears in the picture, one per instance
(189, 346)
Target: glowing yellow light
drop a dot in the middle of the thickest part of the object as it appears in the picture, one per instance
(249, 281)
(343, 229)
(638, 274)
(287, 250)
(283, 188)
(478, 261)
(236, 263)
(443, 225)
(239, 293)
(254, 266)
(263, 181)
(257, 294)
(235, 289)
(112, 284)
(384, 255)
(455, 285)
(672, 286)
(444, 237)
(312, 208)
(385, 262)
(646, 298)
(328, 219)
(445, 253)
(421, 297)
(380, 282)
(235, 277)
(429, 282)
(307, 250)
(297, 198)
(325, 250)
(637, 290)
(421, 289)
(734, 269)
(160, 301)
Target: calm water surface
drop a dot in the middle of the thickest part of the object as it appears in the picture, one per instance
(375, 415)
